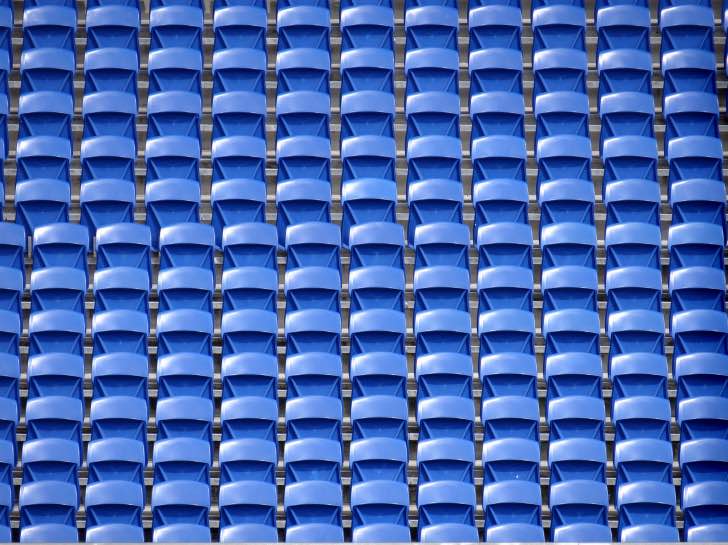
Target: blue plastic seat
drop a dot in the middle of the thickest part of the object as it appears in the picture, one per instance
(119, 374)
(366, 201)
(566, 201)
(48, 512)
(54, 417)
(313, 434)
(11, 289)
(249, 244)
(444, 458)
(686, 27)
(184, 374)
(699, 330)
(301, 201)
(499, 201)
(561, 112)
(379, 512)
(434, 158)
(313, 244)
(56, 331)
(116, 459)
(441, 375)
(696, 200)
(695, 244)
(512, 511)
(579, 512)
(510, 416)
(701, 418)
(184, 331)
(249, 330)
(508, 374)
(511, 459)
(571, 330)
(378, 459)
(626, 113)
(180, 511)
(573, 460)
(368, 111)
(304, 157)
(645, 459)
(694, 157)
(240, 26)
(641, 417)
(632, 245)
(378, 374)
(433, 201)
(638, 374)
(303, 27)
(108, 157)
(379, 416)
(312, 287)
(431, 26)
(629, 157)
(631, 288)
(504, 244)
(432, 113)
(699, 374)
(238, 159)
(247, 511)
(441, 244)
(49, 26)
(446, 511)
(624, 70)
(45, 113)
(636, 330)
(573, 374)
(184, 417)
(494, 26)
(123, 245)
(249, 460)
(563, 156)
(174, 113)
(238, 113)
(496, 69)
(57, 288)
(113, 70)
(376, 287)
(112, 26)
(368, 158)
(55, 374)
(313, 374)
(10, 328)
(497, 113)
(441, 287)
(238, 70)
(623, 26)
(313, 512)
(302, 113)
(573, 417)
(111, 113)
(43, 157)
(249, 288)
(249, 375)
(559, 70)
(646, 512)
(120, 331)
(691, 113)
(558, 27)
(499, 157)
(245, 419)
(182, 459)
(313, 330)
(106, 202)
(175, 69)
(431, 69)
(631, 201)
(702, 461)
(173, 157)
(176, 26)
(442, 330)
(47, 69)
(705, 510)
(377, 244)
(303, 69)
(377, 330)
(185, 287)
(234, 202)
(106, 504)
(12, 246)
(187, 245)
(119, 416)
(688, 70)
(367, 26)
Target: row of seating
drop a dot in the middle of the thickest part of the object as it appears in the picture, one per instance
(6, 62)
(696, 241)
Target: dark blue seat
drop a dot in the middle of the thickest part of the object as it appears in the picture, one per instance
(624, 70)
(494, 26)
(302, 201)
(566, 201)
(180, 511)
(43, 157)
(688, 70)
(558, 27)
(249, 418)
(106, 202)
(312, 287)
(112, 26)
(303, 69)
(249, 375)
(49, 26)
(109, 502)
(240, 26)
(313, 244)
(379, 512)
(378, 374)
(446, 511)
(184, 374)
(112, 70)
(623, 26)
(247, 511)
(512, 511)
(700, 374)
(249, 330)
(249, 244)
(366, 201)
(496, 69)
(176, 26)
(303, 27)
(172, 157)
(249, 288)
(111, 113)
(645, 459)
(431, 26)
(367, 26)
(573, 374)
(187, 245)
(631, 201)
(633, 287)
(376, 287)
(646, 512)
(313, 330)
(48, 511)
(433, 201)
(119, 374)
(695, 244)
(440, 375)
(238, 113)
(184, 331)
(686, 27)
(123, 245)
(694, 157)
(313, 512)
(45, 113)
(47, 69)
(431, 69)
(175, 69)
(108, 157)
(238, 70)
(576, 417)
(304, 157)
(559, 70)
(185, 287)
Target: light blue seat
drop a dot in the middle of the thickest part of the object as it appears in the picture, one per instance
(446, 511)
(303, 27)
(184, 330)
(366, 201)
(513, 511)
(558, 26)
(170, 202)
(180, 511)
(496, 69)
(41, 202)
(238, 70)
(624, 70)
(313, 244)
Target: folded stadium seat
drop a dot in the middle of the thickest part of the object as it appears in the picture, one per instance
(559, 70)
(695, 244)
(499, 201)
(303, 69)
(112, 26)
(430, 26)
(313, 330)
(579, 512)
(632, 245)
(185, 287)
(54, 417)
(626, 113)
(313, 512)
(301, 201)
(57, 288)
(704, 506)
(238, 70)
(250, 244)
(367, 27)
(303, 113)
(249, 418)
(47, 69)
(512, 511)
(249, 288)
(55, 374)
(699, 330)
(558, 27)
(111, 70)
(56, 331)
(367, 108)
(441, 244)
(624, 70)
(694, 157)
(702, 417)
(379, 512)
(119, 416)
(641, 417)
(48, 511)
(686, 27)
(630, 288)
(313, 375)
(625, 26)
(505, 244)
(573, 374)
(172, 157)
(377, 244)
(11, 289)
(120, 331)
(691, 113)
(506, 331)
(499, 157)
(446, 510)
(45, 113)
(106, 202)
(642, 460)
(441, 287)
(693, 288)
(240, 26)
(366, 201)
(170, 202)
(631, 201)
(688, 70)
(638, 374)
(494, 26)
(431, 69)
(379, 416)
(313, 245)
(496, 69)
(511, 459)
(184, 331)
(441, 375)
(304, 157)
(508, 374)
(108, 502)
(119, 374)
(49, 26)
(249, 330)
(563, 157)
(629, 157)
(434, 201)
(175, 69)
(184, 374)
(572, 244)
(239, 157)
(376, 287)
(700, 374)
(187, 245)
(108, 158)
(566, 201)
(247, 511)
(43, 157)
(123, 245)
(238, 113)
(312, 287)
(434, 158)
(577, 416)
(432, 113)
(646, 512)
(249, 374)
(176, 26)
(111, 113)
(180, 511)
(60, 245)
(699, 201)
(497, 113)
(510, 416)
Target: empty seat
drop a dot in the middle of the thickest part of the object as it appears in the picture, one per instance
(185, 287)
(123, 245)
(691, 113)
(629, 157)
(441, 244)
(645, 459)
(56, 331)
(499, 201)
(571, 330)
(120, 331)
(434, 158)
(300, 27)
(249, 374)
(244, 419)
(638, 374)
(176, 26)
(312, 287)
(302, 113)
(239, 26)
(107, 503)
(494, 26)
(249, 288)
(240, 158)
(313, 330)
(106, 202)
(377, 244)
(496, 70)
(694, 157)
(49, 26)
(696, 200)
(313, 512)
(445, 374)
(433, 201)
(431, 69)
(238, 70)
(512, 511)
(379, 511)
(10, 328)
(702, 417)
(111, 70)
(563, 156)
(563, 201)
(632, 245)
(119, 374)
(45, 113)
(180, 511)
(579, 511)
(234, 202)
(631, 288)
(504, 244)
(561, 112)
(367, 112)
(41, 202)
(175, 69)
(559, 26)
(313, 244)
(495, 113)
(303, 69)
(169, 202)
(446, 511)
(247, 511)
(368, 157)
(12, 246)
(48, 511)
(57, 288)
(119, 416)
(432, 114)
(442, 330)
(187, 245)
(376, 287)
(623, 27)
(686, 27)
(302, 201)
(576, 417)
(54, 417)
(632, 201)
(304, 157)
(47, 69)
(43, 157)
(111, 113)
(624, 70)
(499, 157)
(510, 416)
(174, 157)
(646, 512)
(249, 244)
(11, 289)
(174, 113)
(441, 287)
(367, 27)
(366, 201)
(112, 26)
(431, 27)
(249, 330)
(695, 244)
(184, 331)
(573, 374)
(688, 70)
(238, 113)
(705, 506)
(559, 70)
(634, 331)
(626, 113)
(641, 417)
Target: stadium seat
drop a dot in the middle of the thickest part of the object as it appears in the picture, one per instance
(249, 374)
(512, 511)
(559, 70)
(49, 26)
(176, 26)
(238, 113)
(366, 201)
(12, 246)
(41, 202)
(496, 70)
(239, 26)
(446, 511)
(112, 27)
(119, 416)
(111, 71)
(234, 202)
(638, 374)
(576, 417)
(499, 157)
(169, 202)
(249, 330)
(249, 288)
(558, 27)
(124, 245)
(434, 157)
(238, 70)
(303, 27)
(368, 111)
(301, 201)
(640, 460)
(48, 512)
(111, 113)
(56, 331)
(106, 202)
(46, 69)
(109, 502)
(622, 27)
(699, 374)
(495, 113)
(626, 113)
(510, 416)
(304, 157)
(249, 244)
(624, 70)
(313, 244)
(119, 374)
(573, 374)
(43, 157)
(312, 287)
(688, 70)
(695, 245)
(563, 156)
(686, 27)
(184, 374)
(184, 331)
(313, 330)
(494, 26)
(57, 288)
(566, 201)
(646, 512)
(247, 511)
(303, 69)
(313, 512)
(45, 113)
(367, 27)
(185, 287)
(641, 417)
(187, 245)
(433, 201)
(631, 201)
(699, 201)
(55, 374)
(180, 511)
